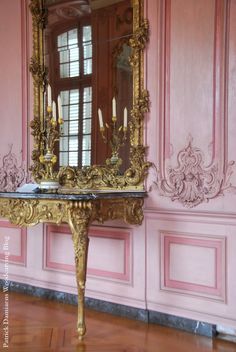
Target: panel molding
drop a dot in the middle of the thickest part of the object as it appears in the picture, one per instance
(183, 183)
(191, 216)
(115, 234)
(218, 289)
(16, 259)
(13, 175)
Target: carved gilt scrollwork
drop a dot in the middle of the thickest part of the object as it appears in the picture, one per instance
(138, 42)
(191, 182)
(31, 212)
(96, 176)
(39, 12)
(130, 210)
(39, 74)
(78, 214)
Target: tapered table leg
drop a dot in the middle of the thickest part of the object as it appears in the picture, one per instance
(79, 217)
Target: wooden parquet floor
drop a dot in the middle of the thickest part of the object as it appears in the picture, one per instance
(37, 325)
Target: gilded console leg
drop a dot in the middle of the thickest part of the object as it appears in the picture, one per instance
(79, 217)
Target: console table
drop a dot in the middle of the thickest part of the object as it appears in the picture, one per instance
(78, 211)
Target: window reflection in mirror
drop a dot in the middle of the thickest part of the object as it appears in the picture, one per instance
(87, 54)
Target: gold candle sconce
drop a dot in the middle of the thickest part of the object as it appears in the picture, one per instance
(51, 134)
(118, 134)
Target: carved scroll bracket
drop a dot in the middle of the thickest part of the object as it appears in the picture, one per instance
(192, 182)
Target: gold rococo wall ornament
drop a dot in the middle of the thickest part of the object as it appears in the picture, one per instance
(107, 176)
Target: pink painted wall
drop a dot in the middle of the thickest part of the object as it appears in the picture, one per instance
(190, 213)
(182, 259)
(11, 75)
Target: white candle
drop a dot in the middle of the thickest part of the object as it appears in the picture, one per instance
(54, 110)
(49, 91)
(125, 117)
(114, 107)
(100, 118)
(59, 104)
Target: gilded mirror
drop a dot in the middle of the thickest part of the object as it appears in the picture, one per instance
(89, 98)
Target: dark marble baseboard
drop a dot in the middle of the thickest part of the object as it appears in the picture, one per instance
(189, 325)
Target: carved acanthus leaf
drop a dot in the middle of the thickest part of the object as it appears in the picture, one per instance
(39, 72)
(39, 13)
(78, 214)
(191, 182)
(130, 210)
(31, 212)
(138, 42)
(141, 106)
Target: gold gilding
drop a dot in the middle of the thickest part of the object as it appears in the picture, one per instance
(78, 215)
(106, 176)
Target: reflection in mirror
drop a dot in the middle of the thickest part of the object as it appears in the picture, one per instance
(87, 54)
(123, 90)
(82, 48)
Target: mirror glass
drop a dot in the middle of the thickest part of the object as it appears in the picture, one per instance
(86, 52)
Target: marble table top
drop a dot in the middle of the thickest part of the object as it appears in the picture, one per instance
(84, 195)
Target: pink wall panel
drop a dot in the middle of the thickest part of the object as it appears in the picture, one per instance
(190, 47)
(194, 51)
(189, 57)
(193, 264)
(11, 75)
(112, 257)
(231, 120)
(14, 109)
(16, 243)
(109, 252)
(190, 266)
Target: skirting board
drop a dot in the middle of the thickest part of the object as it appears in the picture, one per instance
(189, 325)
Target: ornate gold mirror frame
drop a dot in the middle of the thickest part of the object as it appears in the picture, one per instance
(95, 177)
